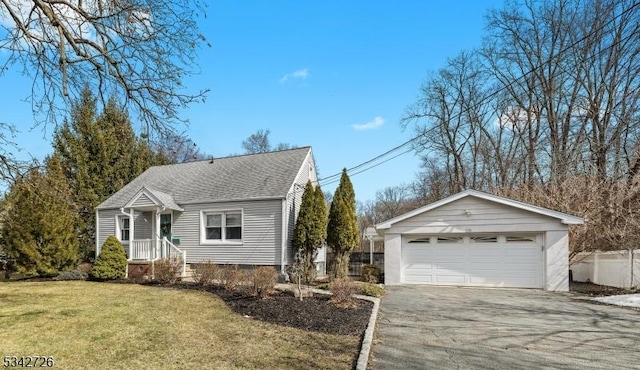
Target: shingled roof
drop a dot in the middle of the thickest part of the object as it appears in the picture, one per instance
(244, 177)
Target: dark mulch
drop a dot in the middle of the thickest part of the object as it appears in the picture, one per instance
(315, 313)
(595, 290)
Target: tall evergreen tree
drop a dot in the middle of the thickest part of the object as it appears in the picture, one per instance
(100, 153)
(310, 231)
(39, 224)
(342, 229)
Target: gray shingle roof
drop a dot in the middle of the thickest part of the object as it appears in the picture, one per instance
(254, 176)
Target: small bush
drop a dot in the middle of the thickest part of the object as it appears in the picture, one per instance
(264, 280)
(232, 277)
(111, 264)
(71, 275)
(343, 291)
(167, 270)
(323, 286)
(371, 290)
(206, 273)
(84, 267)
(371, 274)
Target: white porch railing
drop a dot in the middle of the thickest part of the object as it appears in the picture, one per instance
(156, 249)
(141, 249)
(169, 250)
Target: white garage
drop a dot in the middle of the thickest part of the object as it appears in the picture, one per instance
(478, 239)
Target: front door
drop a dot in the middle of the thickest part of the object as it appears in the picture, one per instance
(165, 226)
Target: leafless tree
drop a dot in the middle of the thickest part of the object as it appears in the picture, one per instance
(547, 111)
(259, 142)
(178, 148)
(138, 51)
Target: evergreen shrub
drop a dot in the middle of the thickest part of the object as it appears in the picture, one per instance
(111, 263)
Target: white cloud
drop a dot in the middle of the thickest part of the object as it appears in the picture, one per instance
(301, 74)
(371, 125)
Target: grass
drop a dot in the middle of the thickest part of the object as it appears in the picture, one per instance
(104, 326)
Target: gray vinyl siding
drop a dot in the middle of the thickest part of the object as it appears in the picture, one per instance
(107, 225)
(295, 199)
(475, 215)
(143, 225)
(261, 239)
(144, 201)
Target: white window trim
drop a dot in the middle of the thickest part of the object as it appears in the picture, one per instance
(119, 219)
(203, 232)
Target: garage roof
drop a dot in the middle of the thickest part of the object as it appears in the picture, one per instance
(563, 217)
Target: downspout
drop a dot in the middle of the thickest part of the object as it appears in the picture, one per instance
(630, 268)
(97, 234)
(285, 237)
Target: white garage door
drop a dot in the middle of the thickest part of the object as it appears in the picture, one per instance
(480, 260)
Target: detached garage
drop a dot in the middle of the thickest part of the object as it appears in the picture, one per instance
(478, 239)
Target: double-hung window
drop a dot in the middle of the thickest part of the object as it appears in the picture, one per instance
(124, 229)
(222, 226)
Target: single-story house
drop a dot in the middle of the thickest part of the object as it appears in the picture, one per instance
(477, 239)
(233, 210)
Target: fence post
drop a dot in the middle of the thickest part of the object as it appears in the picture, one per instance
(630, 261)
(184, 263)
(595, 267)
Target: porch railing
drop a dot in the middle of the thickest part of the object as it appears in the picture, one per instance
(141, 249)
(169, 250)
(157, 249)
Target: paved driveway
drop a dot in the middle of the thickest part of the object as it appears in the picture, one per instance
(422, 327)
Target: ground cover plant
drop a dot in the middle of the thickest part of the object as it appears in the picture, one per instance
(103, 325)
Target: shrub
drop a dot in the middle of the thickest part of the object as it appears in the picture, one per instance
(72, 275)
(111, 264)
(264, 280)
(84, 267)
(167, 270)
(371, 290)
(232, 277)
(343, 291)
(206, 273)
(371, 274)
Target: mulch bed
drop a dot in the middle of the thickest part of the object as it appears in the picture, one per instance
(595, 290)
(315, 313)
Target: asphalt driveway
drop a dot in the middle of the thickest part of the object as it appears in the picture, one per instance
(423, 327)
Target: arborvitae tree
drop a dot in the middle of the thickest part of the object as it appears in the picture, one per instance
(310, 230)
(342, 230)
(39, 223)
(111, 264)
(321, 212)
(100, 154)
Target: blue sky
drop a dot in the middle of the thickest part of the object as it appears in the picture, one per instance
(335, 75)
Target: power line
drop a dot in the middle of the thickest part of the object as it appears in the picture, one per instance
(334, 178)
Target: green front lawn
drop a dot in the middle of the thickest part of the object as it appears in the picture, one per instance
(100, 325)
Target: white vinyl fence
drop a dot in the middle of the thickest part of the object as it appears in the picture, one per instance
(617, 268)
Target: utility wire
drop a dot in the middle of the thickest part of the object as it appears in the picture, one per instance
(334, 178)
